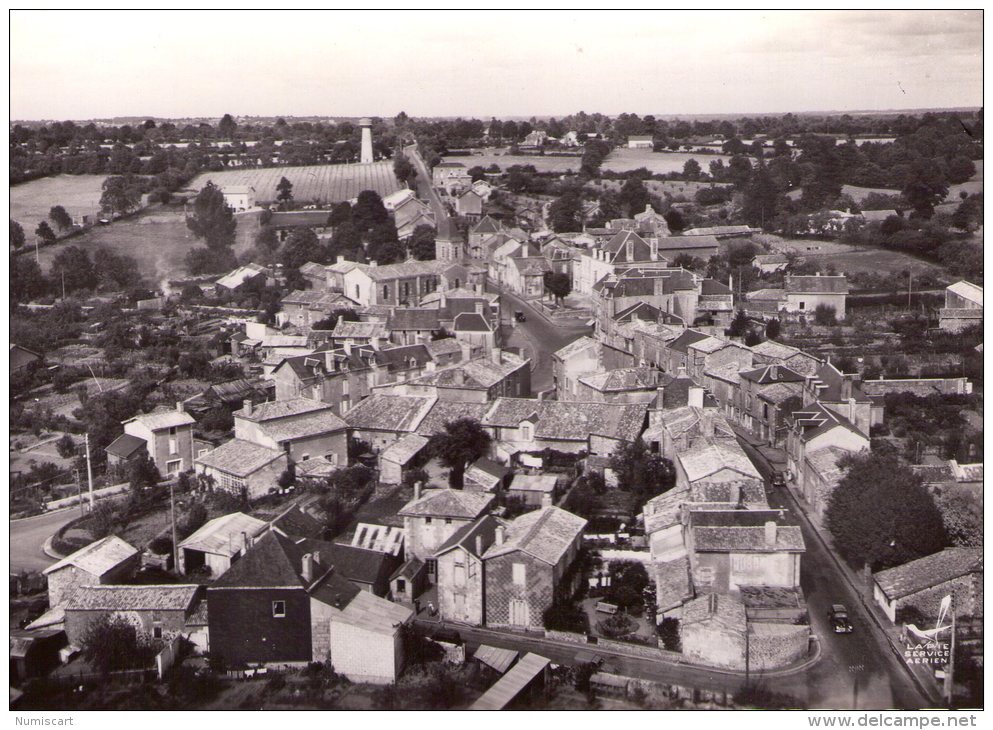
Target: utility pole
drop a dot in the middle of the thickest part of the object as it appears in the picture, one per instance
(89, 471)
(910, 288)
(950, 669)
(175, 536)
(63, 285)
(79, 494)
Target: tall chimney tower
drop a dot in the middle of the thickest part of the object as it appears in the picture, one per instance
(366, 125)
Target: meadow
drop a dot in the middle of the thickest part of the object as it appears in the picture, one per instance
(320, 184)
(620, 160)
(31, 201)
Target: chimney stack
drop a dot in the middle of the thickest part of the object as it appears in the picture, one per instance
(479, 544)
(774, 372)
(466, 351)
(429, 366)
(307, 568)
(770, 533)
(341, 259)
(244, 543)
(496, 354)
(417, 489)
(501, 533)
(479, 307)
(695, 396)
(247, 406)
(179, 406)
(546, 499)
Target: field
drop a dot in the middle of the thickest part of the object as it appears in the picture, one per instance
(158, 239)
(849, 260)
(320, 184)
(541, 163)
(676, 188)
(973, 185)
(31, 201)
(623, 159)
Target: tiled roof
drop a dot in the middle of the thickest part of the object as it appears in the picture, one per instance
(133, 598)
(711, 287)
(825, 463)
(222, 535)
(302, 296)
(311, 424)
(443, 412)
(448, 503)
(404, 449)
(929, 572)
(773, 349)
(399, 358)
(486, 472)
(478, 373)
(465, 536)
(568, 420)
(388, 412)
(816, 285)
(352, 563)
(704, 458)
(371, 330)
(708, 345)
(487, 225)
(681, 343)
(239, 276)
(545, 534)
(543, 483)
(402, 270)
(313, 269)
(672, 583)
(777, 295)
(672, 243)
(664, 510)
(376, 614)
(98, 557)
(296, 523)
(575, 347)
(414, 319)
(125, 445)
(166, 418)
(623, 379)
(768, 374)
(282, 409)
(316, 467)
(239, 458)
(713, 607)
(531, 265)
(744, 531)
(770, 258)
(814, 420)
(274, 561)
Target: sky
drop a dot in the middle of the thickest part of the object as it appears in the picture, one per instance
(100, 64)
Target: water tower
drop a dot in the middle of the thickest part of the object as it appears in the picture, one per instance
(366, 125)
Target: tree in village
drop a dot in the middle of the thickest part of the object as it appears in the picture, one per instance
(925, 187)
(284, 193)
(212, 219)
(26, 279)
(121, 194)
(16, 234)
(460, 443)
(634, 196)
(642, 472)
(113, 644)
(566, 213)
(962, 515)
(772, 329)
(760, 196)
(60, 217)
(301, 246)
(557, 284)
(740, 325)
(227, 126)
(881, 515)
(45, 232)
(73, 269)
(421, 243)
(691, 169)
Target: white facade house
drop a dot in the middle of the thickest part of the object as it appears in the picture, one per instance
(239, 198)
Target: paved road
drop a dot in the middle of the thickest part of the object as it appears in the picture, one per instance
(28, 535)
(538, 334)
(883, 681)
(425, 190)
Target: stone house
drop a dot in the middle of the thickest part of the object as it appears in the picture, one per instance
(963, 307)
(525, 567)
(921, 584)
(469, 205)
(434, 515)
(479, 380)
(811, 428)
(476, 331)
(396, 284)
(336, 376)
(460, 571)
(805, 293)
(622, 385)
(103, 562)
(168, 437)
(771, 352)
(243, 467)
(382, 419)
(219, 543)
(579, 356)
(713, 629)
(759, 394)
(410, 325)
(399, 457)
(525, 275)
(301, 427)
(159, 611)
(821, 477)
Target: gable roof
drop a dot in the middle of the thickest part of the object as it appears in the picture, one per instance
(576, 347)
(414, 319)
(772, 374)
(674, 243)
(816, 284)
(733, 530)
(133, 598)
(273, 561)
(125, 445)
(471, 322)
(687, 338)
(239, 458)
(239, 276)
(388, 412)
(222, 535)
(448, 503)
(487, 224)
(623, 379)
(310, 424)
(545, 534)
(276, 409)
(967, 291)
(98, 557)
(465, 536)
(814, 420)
(404, 449)
(162, 419)
(569, 420)
(929, 572)
(443, 412)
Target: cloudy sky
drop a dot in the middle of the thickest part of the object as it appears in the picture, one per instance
(82, 65)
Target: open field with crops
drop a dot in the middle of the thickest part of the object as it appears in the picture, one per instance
(849, 259)
(158, 239)
(541, 163)
(31, 201)
(320, 184)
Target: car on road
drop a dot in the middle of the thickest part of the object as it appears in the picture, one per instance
(838, 616)
(778, 479)
(519, 316)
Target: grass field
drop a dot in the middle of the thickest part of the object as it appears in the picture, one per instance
(318, 184)
(541, 163)
(31, 201)
(158, 239)
(849, 260)
(623, 159)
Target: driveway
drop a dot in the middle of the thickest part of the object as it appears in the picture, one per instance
(29, 534)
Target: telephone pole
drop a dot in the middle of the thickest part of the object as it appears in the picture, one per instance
(175, 536)
(89, 471)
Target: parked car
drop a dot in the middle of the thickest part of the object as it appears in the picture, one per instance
(519, 316)
(778, 479)
(838, 616)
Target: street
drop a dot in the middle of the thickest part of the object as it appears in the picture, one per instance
(29, 534)
(882, 680)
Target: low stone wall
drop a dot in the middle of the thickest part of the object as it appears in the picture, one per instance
(918, 386)
(652, 652)
(566, 636)
(773, 646)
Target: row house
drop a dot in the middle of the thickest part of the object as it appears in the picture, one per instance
(805, 293)
(304, 308)
(580, 356)
(500, 261)
(167, 435)
(842, 393)
(764, 398)
(301, 427)
(397, 284)
(525, 275)
(479, 380)
(337, 376)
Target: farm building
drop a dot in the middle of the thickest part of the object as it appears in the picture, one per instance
(239, 197)
(640, 142)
